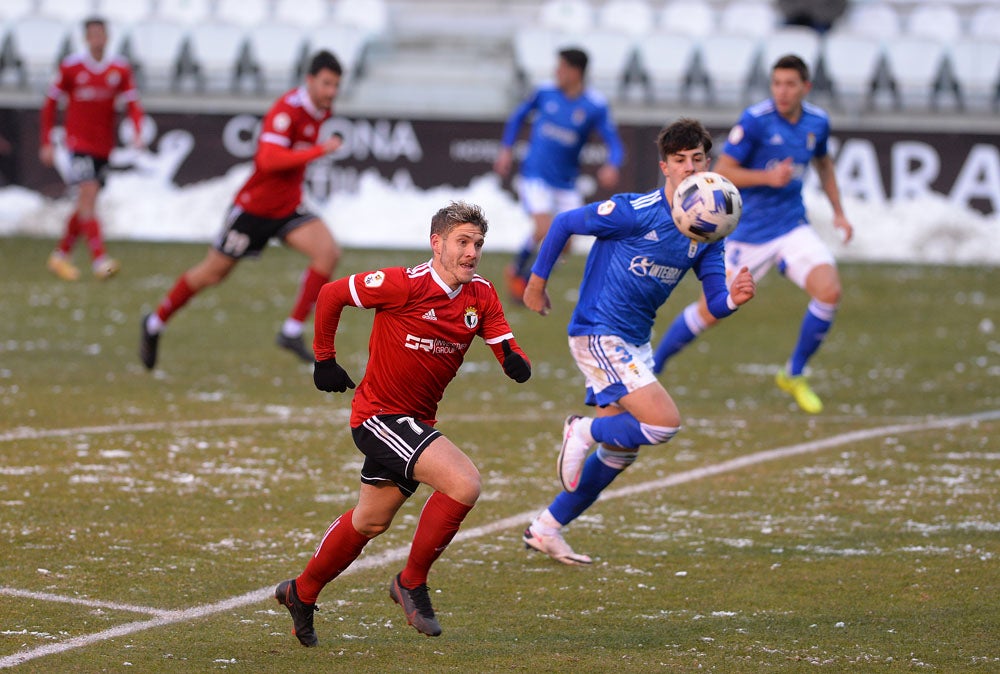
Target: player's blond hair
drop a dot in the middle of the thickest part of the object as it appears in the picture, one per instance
(458, 213)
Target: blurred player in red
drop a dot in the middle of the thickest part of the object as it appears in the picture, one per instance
(426, 317)
(90, 84)
(269, 205)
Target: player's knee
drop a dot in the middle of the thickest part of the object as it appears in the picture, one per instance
(372, 528)
(618, 458)
(657, 435)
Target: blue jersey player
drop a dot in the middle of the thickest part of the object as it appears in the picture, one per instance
(565, 114)
(638, 258)
(766, 156)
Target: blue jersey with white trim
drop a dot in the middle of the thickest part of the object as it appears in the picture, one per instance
(638, 259)
(762, 139)
(559, 131)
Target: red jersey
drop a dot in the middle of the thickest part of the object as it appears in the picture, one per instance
(420, 335)
(91, 90)
(292, 123)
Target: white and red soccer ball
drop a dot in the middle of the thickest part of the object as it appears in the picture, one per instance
(707, 207)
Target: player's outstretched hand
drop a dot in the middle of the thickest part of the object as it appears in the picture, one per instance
(743, 287)
(514, 364)
(328, 376)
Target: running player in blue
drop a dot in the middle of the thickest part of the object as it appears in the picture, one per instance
(638, 258)
(564, 116)
(766, 156)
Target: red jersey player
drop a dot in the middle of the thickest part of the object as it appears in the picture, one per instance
(426, 317)
(269, 205)
(91, 83)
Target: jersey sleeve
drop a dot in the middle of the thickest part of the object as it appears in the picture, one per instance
(495, 329)
(611, 219)
(711, 271)
(370, 290)
(513, 126)
(609, 132)
(740, 141)
(60, 87)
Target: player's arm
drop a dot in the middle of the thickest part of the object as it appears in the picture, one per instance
(721, 300)
(607, 175)
(564, 225)
(46, 153)
(513, 359)
(505, 156)
(327, 374)
(272, 156)
(828, 179)
(778, 175)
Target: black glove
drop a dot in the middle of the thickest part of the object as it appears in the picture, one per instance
(328, 376)
(514, 364)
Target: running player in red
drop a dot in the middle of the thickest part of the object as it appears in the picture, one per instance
(90, 83)
(269, 205)
(425, 319)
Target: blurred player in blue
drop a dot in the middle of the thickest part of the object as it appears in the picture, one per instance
(564, 116)
(766, 156)
(638, 258)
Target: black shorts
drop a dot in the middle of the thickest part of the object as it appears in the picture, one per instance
(391, 444)
(245, 235)
(86, 167)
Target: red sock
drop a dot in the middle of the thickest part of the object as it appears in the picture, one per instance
(340, 546)
(312, 283)
(71, 234)
(439, 522)
(91, 229)
(175, 299)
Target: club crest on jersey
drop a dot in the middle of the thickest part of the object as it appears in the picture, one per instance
(606, 207)
(471, 318)
(375, 279)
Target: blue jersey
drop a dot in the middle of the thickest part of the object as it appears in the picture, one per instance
(559, 131)
(761, 139)
(638, 259)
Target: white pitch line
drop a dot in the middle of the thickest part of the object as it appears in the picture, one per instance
(373, 561)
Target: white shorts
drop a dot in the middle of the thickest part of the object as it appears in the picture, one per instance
(796, 254)
(611, 366)
(537, 196)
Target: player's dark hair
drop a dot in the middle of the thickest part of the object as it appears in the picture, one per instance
(324, 60)
(684, 134)
(577, 58)
(458, 213)
(94, 21)
(792, 62)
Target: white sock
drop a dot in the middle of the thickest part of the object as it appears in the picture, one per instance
(154, 325)
(545, 524)
(291, 328)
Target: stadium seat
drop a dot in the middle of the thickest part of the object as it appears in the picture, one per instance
(629, 17)
(610, 58)
(975, 64)
(667, 62)
(916, 67)
(369, 16)
(245, 13)
(799, 40)
(70, 11)
(851, 62)
(124, 12)
(304, 13)
(748, 17)
(729, 63)
(187, 12)
(875, 19)
(936, 22)
(216, 53)
(155, 48)
(985, 22)
(535, 54)
(345, 42)
(37, 44)
(15, 9)
(696, 18)
(567, 16)
(275, 52)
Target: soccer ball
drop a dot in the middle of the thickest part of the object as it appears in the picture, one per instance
(707, 207)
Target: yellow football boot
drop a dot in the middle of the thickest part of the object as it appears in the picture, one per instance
(798, 387)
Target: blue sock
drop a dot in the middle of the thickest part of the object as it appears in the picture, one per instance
(815, 324)
(524, 257)
(620, 430)
(682, 332)
(596, 475)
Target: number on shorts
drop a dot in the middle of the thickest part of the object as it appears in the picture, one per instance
(413, 424)
(235, 244)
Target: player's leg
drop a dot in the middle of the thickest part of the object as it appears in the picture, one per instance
(810, 265)
(212, 270)
(691, 322)
(310, 236)
(340, 546)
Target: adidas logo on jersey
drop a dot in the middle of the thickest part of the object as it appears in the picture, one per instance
(651, 236)
(430, 316)
(776, 139)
